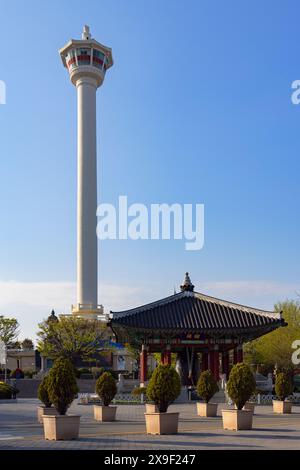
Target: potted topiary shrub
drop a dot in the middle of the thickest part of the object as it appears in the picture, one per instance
(106, 388)
(283, 388)
(62, 389)
(142, 393)
(43, 396)
(206, 388)
(163, 388)
(240, 387)
(7, 392)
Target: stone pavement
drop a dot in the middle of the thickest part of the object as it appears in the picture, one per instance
(19, 430)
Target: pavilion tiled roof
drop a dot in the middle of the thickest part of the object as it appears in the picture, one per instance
(188, 312)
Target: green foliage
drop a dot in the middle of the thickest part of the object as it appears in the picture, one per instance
(17, 373)
(8, 329)
(241, 384)
(283, 385)
(27, 344)
(275, 347)
(14, 345)
(207, 385)
(97, 372)
(114, 373)
(106, 388)
(7, 391)
(61, 385)
(138, 391)
(164, 387)
(71, 337)
(81, 370)
(28, 374)
(43, 394)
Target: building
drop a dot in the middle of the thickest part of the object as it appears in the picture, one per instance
(87, 62)
(204, 332)
(24, 359)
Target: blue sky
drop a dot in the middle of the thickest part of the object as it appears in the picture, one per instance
(196, 109)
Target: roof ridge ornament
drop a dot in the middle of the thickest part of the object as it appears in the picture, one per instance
(187, 284)
(86, 35)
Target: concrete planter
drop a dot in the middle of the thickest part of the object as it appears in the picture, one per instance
(282, 407)
(208, 410)
(105, 413)
(151, 408)
(161, 423)
(249, 407)
(45, 411)
(237, 420)
(61, 428)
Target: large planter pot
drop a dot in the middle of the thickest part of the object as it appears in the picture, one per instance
(208, 410)
(161, 423)
(237, 420)
(61, 428)
(151, 408)
(283, 407)
(249, 406)
(105, 413)
(45, 411)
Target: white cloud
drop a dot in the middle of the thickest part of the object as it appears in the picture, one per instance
(31, 302)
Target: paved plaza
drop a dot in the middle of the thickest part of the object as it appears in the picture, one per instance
(19, 430)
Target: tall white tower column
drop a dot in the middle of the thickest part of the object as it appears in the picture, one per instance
(87, 276)
(87, 61)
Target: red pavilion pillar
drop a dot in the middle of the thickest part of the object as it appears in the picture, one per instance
(204, 361)
(167, 355)
(240, 354)
(143, 365)
(225, 363)
(216, 363)
(235, 356)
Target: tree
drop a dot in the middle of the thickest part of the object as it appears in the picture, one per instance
(14, 345)
(27, 344)
(8, 329)
(71, 338)
(61, 385)
(275, 348)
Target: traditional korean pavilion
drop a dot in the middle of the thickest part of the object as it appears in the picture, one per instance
(204, 332)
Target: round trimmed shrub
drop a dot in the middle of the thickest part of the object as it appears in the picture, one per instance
(43, 394)
(164, 386)
(106, 388)
(207, 385)
(283, 386)
(7, 391)
(61, 385)
(241, 384)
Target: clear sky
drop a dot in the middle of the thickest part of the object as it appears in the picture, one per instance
(196, 109)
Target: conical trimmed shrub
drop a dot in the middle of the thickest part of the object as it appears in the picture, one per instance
(241, 384)
(283, 386)
(207, 385)
(62, 387)
(43, 394)
(106, 388)
(164, 387)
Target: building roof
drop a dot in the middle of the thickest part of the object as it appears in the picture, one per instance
(190, 312)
